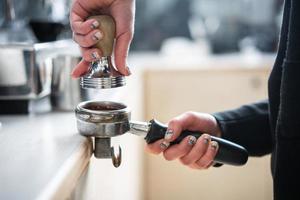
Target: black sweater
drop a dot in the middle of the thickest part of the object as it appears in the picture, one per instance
(273, 125)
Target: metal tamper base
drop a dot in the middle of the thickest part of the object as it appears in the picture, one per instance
(102, 75)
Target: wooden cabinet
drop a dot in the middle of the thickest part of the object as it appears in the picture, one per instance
(172, 92)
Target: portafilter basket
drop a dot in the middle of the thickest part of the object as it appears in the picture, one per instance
(103, 120)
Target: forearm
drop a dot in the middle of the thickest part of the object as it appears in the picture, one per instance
(248, 126)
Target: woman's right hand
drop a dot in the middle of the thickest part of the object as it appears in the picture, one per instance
(194, 153)
(87, 34)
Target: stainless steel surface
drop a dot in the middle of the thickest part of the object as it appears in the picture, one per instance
(102, 118)
(14, 28)
(102, 148)
(66, 92)
(139, 128)
(106, 119)
(49, 10)
(116, 157)
(102, 75)
(25, 69)
(9, 10)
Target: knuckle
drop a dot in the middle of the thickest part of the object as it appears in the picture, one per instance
(86, 41)
(186, 162)
(201, 164)
(167, 156)
(190, 115)
(174, 123)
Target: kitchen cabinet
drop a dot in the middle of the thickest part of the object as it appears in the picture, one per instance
(209, 88)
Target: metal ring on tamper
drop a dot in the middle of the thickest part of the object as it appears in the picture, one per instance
(102, 75)
(103, 120)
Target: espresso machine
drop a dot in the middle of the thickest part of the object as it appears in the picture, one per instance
(33, 36)
(103, 120)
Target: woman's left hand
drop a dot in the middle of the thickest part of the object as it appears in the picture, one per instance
(194, 153)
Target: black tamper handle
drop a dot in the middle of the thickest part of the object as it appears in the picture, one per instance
(228, 153)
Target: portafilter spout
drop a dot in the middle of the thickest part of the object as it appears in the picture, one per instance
(102, 74)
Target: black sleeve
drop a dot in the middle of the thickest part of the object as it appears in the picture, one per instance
(288, 121)
(248, 126)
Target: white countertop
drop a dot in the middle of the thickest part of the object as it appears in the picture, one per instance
(42, 156)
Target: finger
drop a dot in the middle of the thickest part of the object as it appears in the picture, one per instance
(80, 69)
(78, 15)
(178, 150)
(121, 52)
(198, 150)
(178, 124)
(156, 147)
(88, 40)
(84, 27)
(91, 54)
(205, 161)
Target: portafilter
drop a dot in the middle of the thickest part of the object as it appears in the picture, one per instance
(105, 119)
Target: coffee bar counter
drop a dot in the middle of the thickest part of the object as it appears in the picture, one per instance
(42, 156)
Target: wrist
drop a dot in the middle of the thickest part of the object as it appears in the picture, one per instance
(217, 131)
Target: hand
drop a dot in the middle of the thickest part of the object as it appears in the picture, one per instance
(194, 153)
(87, 34)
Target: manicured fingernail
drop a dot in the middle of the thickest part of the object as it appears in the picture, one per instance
(214, 145)
(95, 56)
(97, 35)
(192, 140)
(206, 139)
(164, 145)
(168, 134)
(128, 71)
(95, 24)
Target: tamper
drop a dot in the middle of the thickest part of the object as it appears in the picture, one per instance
(106, 119)
(102, 74)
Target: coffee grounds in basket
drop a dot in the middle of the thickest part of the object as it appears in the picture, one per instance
(102, 107)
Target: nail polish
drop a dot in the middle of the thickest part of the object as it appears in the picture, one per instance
(128, 71)
(169, 134)
(95, 25)
(97, 36)
(214, 145)
(164, 145)
(192, 140)
(95, 56)
(206, 139)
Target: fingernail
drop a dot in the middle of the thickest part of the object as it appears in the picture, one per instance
(128, 71)
(168, 134)
(214, 145)
(95, 56)
(95, 24)
(97, 36)
(192, 140)
(206, 139)
(164, 145)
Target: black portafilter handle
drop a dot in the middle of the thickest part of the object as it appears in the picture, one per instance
(228, 152)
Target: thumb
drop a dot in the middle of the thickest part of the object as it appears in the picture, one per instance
(121, 52)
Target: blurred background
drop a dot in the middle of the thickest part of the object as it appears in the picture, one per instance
(200, 55)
